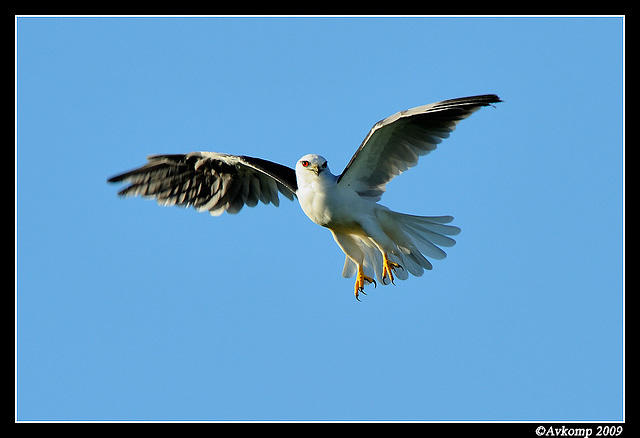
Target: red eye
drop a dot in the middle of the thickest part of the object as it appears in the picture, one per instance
(304, 163)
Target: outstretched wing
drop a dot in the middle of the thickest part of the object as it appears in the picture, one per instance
(394, 144)
(209, 181)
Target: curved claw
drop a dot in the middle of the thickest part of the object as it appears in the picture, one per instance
(388, 267)
(361, 280)
(370, 280)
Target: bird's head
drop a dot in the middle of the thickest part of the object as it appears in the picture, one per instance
(311, 165)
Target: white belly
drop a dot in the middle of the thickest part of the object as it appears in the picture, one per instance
(330, 206)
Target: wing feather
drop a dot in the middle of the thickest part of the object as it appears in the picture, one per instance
(394, 144)
(209, 181)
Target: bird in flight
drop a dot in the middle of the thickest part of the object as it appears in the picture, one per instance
(377, 241)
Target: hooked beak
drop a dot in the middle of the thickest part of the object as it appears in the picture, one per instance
(317, 169)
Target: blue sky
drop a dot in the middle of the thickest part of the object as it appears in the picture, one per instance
(131, 311)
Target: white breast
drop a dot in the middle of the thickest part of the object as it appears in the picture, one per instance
(330, 205)
(316, 200)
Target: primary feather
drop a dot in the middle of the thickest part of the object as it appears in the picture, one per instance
(209, 181)
(394, 144)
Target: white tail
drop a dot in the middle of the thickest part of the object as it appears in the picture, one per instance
(415, 238)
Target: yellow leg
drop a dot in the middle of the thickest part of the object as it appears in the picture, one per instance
(388, 267)
(360, 282)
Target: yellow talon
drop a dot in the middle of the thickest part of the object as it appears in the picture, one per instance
(360, 282)
(388, 267)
